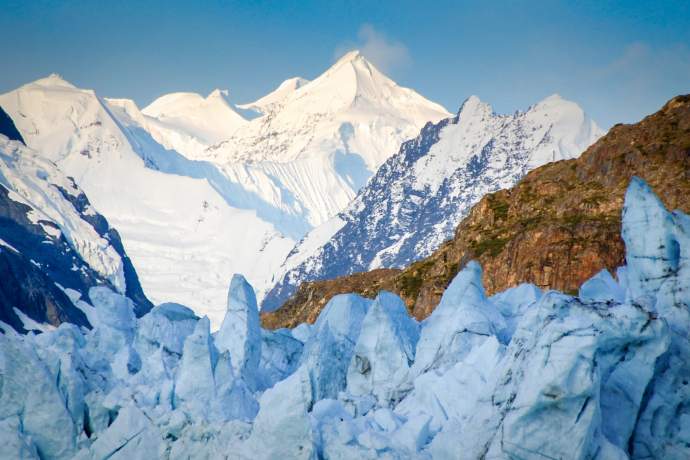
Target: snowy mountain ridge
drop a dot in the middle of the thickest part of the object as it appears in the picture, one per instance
(188, 121)
(352, 102)
(316, 142)
(418, 196)
(54, 246)
(273, 100)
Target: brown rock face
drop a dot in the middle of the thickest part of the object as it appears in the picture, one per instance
(306, 304)
(556, 228)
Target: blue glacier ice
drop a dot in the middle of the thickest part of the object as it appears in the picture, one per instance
(521, 374)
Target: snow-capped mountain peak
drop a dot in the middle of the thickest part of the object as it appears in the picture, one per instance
(350, 56)
(209, 119)
(222, 93)
(558, 118)
(53, 80)
(351, 108)
(474, 107)
(319, 141)
(275, 98)
(555, 98)
(353, 82)
(189, 122)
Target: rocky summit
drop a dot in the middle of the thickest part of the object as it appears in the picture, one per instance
(556, 228)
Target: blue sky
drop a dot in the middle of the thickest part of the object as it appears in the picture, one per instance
(619, 60)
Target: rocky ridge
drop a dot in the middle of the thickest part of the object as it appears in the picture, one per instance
(556, 228)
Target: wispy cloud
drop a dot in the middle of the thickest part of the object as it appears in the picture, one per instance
(387, 54)
(634, 82)
(643, 67)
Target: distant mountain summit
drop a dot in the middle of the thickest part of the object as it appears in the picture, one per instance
(275, 99)
(418, 196)
(188, 122)
(352, 108)
(315, 143)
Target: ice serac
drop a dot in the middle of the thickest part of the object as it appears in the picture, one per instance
(520, 374)
(29, 395)
(282, 428)
(418, 196)
(570, 385)
(434, 399)
(167, 327)
(327, 354)
(512, 304)
(194, 382)
(131, 436)
(651, 260)
(384, 351)
(240, 333)
(280, 356)
(463, 320)
(205, 384)
(602, 287)
(658, 274)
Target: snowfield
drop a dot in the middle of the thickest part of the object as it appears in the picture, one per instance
(521, 374)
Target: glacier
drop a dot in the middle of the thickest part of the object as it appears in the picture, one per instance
(520, 374)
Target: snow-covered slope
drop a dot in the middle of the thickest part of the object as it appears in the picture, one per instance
(317, 142)
(53, 245)
(188, 122)
(185, 226)
(522, 374)
(418, 196)
(273, 101)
